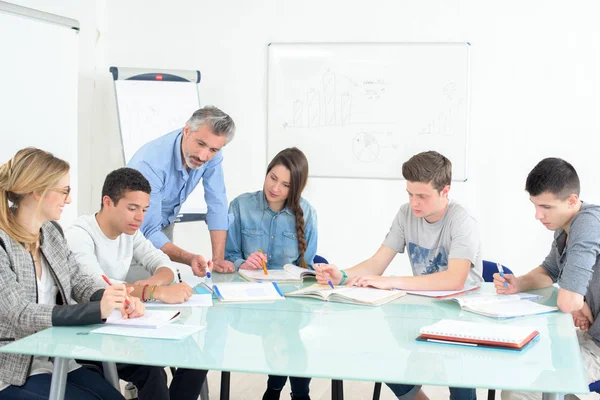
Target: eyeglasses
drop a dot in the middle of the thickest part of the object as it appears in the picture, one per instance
(64, 190)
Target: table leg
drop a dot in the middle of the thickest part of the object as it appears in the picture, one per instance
(337, 389)
(59, 378)
(553, 396)
(225, 382)
(111, 375)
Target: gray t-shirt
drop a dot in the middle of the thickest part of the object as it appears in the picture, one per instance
(430, 246)
(575, 263)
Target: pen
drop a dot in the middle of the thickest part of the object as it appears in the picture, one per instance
(264, 264)
(179, 275)
(110, 284)
(328, 279)
(501, 272)
(208, 274)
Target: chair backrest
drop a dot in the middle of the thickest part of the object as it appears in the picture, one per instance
(490, 268)
(320, 260)
(595, 387)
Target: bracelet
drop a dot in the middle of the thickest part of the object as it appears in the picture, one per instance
(344, 277)
(143, 290)
(151, 293)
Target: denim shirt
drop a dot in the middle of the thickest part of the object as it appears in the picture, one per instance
(256, 226)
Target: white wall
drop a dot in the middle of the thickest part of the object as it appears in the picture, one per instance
(534, 94)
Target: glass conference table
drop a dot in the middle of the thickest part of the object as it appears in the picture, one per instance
(312, 338)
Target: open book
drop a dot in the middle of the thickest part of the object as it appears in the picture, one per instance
(353, 295)
(289, 273)
(478, 334)
(247, 291)
(503, 306)
(440, 294)
(150, 319)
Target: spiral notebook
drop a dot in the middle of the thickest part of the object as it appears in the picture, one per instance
(478, 334)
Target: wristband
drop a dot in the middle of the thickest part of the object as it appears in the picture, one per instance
(144, 290)
(344, 277)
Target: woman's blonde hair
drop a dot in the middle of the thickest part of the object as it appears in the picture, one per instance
(30, 170)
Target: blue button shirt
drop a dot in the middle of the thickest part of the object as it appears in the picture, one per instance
(161, 163)
(256, 226)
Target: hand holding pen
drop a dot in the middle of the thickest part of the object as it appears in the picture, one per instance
(254, 260)
(323, 274)
(116, 297)
(505, 283)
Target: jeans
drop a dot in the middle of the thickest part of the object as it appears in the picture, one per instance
(300, 386)
(82, 384)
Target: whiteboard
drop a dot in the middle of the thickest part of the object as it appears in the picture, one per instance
(38, 95)
(361, 110)
(149, 108)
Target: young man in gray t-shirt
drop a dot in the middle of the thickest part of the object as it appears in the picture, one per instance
(441, 237)
(573, 261)
(442, 241)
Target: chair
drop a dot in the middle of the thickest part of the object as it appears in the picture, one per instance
(489, 269)
(319, 260)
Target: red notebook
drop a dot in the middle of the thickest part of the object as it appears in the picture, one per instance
(478, 333)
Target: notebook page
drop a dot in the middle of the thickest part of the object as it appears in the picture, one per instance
(170, 331)
(367, 295)
(274, 275)
(196, 300)
(298, 272)
(480, 298)
(150, 319)
(323, 290)
(507, 309)
(478, 330)
(250, 291)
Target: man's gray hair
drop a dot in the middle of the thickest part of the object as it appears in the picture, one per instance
(216, 120)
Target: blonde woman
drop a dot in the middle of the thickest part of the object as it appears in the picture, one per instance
(41, 284)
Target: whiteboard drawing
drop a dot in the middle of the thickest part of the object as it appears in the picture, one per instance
(373, 105)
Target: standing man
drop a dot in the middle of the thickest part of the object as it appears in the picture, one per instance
(174, 164)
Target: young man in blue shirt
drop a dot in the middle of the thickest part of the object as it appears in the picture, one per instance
(174, 164)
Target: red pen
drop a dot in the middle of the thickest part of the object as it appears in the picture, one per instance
(110, 284)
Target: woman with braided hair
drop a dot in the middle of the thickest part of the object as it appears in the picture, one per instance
(41, 284)
(277, 226)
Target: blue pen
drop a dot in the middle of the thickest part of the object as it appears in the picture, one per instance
(208, 274)
(501, 272)
(328, 280)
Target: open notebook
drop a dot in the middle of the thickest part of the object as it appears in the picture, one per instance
(478, 334)
(195, 300)
(343, 294)
(289, 273)
(503, 306)
(169, 331)
(150, 319)
(247, 291)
